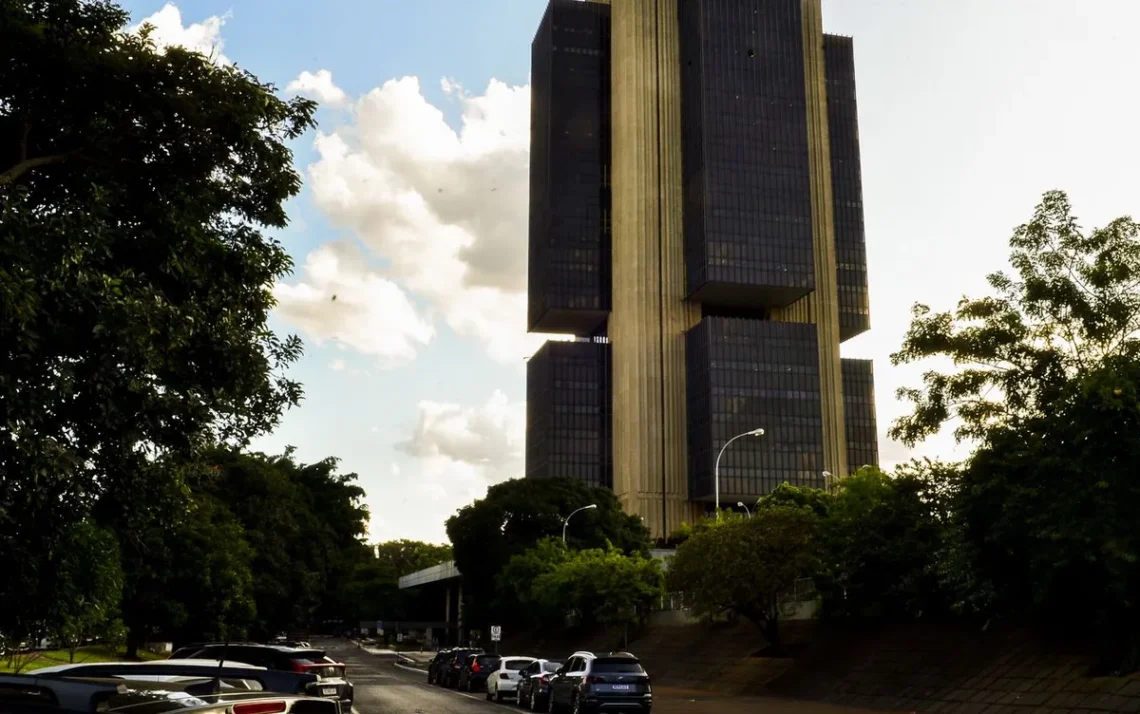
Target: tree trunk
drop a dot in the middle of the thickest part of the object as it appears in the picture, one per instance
(771, 630)
(132, 645)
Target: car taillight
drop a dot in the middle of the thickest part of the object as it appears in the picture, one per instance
(544, 679)
(504, 675)
(475, 667)
(298, 666)
(258, 708)
(595, 680)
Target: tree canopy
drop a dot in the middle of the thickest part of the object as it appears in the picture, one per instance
(516, 514)
(1040, 523)
(1072, 303)
(747, 566)
(135, 188)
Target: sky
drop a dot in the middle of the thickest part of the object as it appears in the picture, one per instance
(414, 206)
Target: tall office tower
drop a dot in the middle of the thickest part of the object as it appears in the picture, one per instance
(697, 224)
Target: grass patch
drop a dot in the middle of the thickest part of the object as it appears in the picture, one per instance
(94, 653)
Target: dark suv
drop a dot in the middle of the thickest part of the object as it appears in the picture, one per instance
(331, 680)
(447, 674)
(435, 667)
(593, 682)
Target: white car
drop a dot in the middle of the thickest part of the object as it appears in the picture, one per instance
(504, 680)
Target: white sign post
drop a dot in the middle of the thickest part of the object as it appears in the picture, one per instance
(399, 636)
(496, 633)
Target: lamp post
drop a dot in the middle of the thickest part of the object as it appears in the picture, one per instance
(566, 520)
(746, 508)
(716, 467)
(827, 481)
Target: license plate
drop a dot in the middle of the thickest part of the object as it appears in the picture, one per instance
(621, 687)
(328, 691)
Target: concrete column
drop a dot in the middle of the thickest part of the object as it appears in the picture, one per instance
(649, 313)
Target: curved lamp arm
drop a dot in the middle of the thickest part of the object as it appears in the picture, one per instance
(566, 520)
(716, 466)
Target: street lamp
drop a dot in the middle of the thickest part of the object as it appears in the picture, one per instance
(746, 508)
(716, 467)
(566, 520)
(827, 481)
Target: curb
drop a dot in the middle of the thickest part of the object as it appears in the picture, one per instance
(401, 663)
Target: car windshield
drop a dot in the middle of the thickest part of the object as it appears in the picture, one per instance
(515, 665)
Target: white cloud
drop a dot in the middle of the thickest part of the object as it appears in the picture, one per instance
(446, 209)
(337, 365)
(342, 300)
(488, 437)
(319, 86)
(204, 36)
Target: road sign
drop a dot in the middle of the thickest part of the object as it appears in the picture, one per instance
(399, 636)
(380, 632)
(496, 633)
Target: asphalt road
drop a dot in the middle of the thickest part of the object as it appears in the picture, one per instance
(381, 688)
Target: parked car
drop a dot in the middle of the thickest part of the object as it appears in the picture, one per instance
(473, 673)
(504, 680)
(164, 686)
(535, 683)
(184, 651)
(332, 680)
(589, 682)
(448, 675)
(436, 666)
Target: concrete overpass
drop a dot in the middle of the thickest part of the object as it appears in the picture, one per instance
(439, 591)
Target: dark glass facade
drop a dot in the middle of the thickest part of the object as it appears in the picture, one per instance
(568, 415)
(569, 275)
(859, 413)
(745, 374)
(746, 187)
(846, 187)
(747, 199)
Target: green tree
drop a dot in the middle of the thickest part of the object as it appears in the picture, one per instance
(747, 566)
(135, 275)
(407, 556)
(882, 541)
(515, 515)
(817, 500)
(601, 586)
(305, 524)
(88, 586)
(1045, 382)
(373, 591)
(1046, 516)
(1072, 304)
(516, 582)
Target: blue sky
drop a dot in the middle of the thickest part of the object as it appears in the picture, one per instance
(969, 110)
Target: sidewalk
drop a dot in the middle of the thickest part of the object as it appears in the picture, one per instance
(671, 700)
